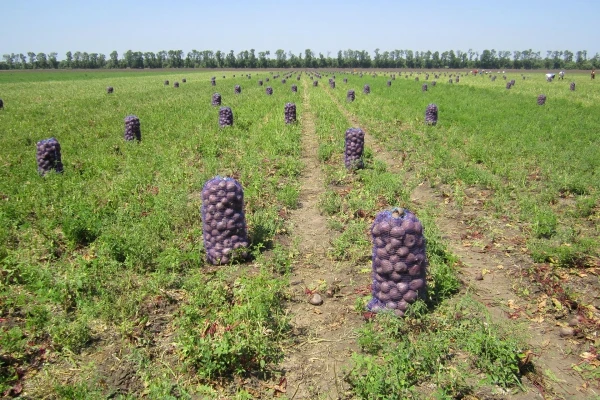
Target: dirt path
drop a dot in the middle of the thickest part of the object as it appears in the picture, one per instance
(489, 269)
(324, 336)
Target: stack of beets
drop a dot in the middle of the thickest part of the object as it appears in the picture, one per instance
(225, 117)
(572, 87)
(223, 221)
(431, 114)
(315, 83)
(294, 88)
(350, 96)
(109, 90)
(433, 83)
(424, 87)
(184, 80)
(260, 82)
(399, 261)
(508, 85)
(176, 84)
(367, 89)
(216, 99)
(132, 128)
(269, 90)
(389, 83)
(541, 99)
(290, 113)
(353, 151)
(166, 83)
(48, 156)
(237, 89)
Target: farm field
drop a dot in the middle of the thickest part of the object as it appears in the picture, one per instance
(105, 291)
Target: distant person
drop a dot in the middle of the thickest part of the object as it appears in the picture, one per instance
(593, 74)
(561, 75)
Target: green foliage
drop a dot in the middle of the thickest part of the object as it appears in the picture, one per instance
(399, 354)
(232, 327)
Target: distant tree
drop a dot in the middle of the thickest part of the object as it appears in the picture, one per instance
(281, 58)
(41, 61)
(101, 60)
(69, 59)
(230, 60)
(31, 59)
(9, 60)
(52, 61)
(252, 61)
(161, 59)
(113, 61)
(219, 59)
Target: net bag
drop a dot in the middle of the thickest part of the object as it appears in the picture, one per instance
(48, 156)
(223, 222)
(353, 151)
(399, 261)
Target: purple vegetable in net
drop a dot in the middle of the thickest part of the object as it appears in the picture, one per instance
(399, 261)
(225, 117)
(315, 83)
(267, 79)
(512, 82)
(416, 79)
(350, 95)
(237, 89)
(389, 83)
(223, 222)
(290, 113)
(283, 81)
(269, 90)
(132, 128)
(216, 99)
(166, 83)
(260, 82)
(433, 83)
(109, 90)
(572, 87)
(367, 89)
(431, 114)
(48, 156)
(353, 151)
(332, 84)
(457, 79)
(294, 88)
(176, 84)
(508, 85)
(184, 80)
(541, 99)
(450, 80)
(424, 87)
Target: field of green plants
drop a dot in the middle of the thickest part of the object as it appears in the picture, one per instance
(105, 291)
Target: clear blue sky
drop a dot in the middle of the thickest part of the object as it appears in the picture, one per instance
(323, 26)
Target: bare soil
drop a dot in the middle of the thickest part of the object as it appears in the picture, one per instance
(324, 336)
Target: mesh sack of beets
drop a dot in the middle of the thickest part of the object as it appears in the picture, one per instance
(48, 156)
(353, 151)
(223, 221)
(399, 261)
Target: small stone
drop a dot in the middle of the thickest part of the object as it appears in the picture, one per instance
(479, 276)
(316, 300)
(575, 321)
(566, 331)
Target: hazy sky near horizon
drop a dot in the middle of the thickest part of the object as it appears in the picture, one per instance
(322, 26)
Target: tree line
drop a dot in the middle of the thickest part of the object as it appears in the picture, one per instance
(487, 59)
